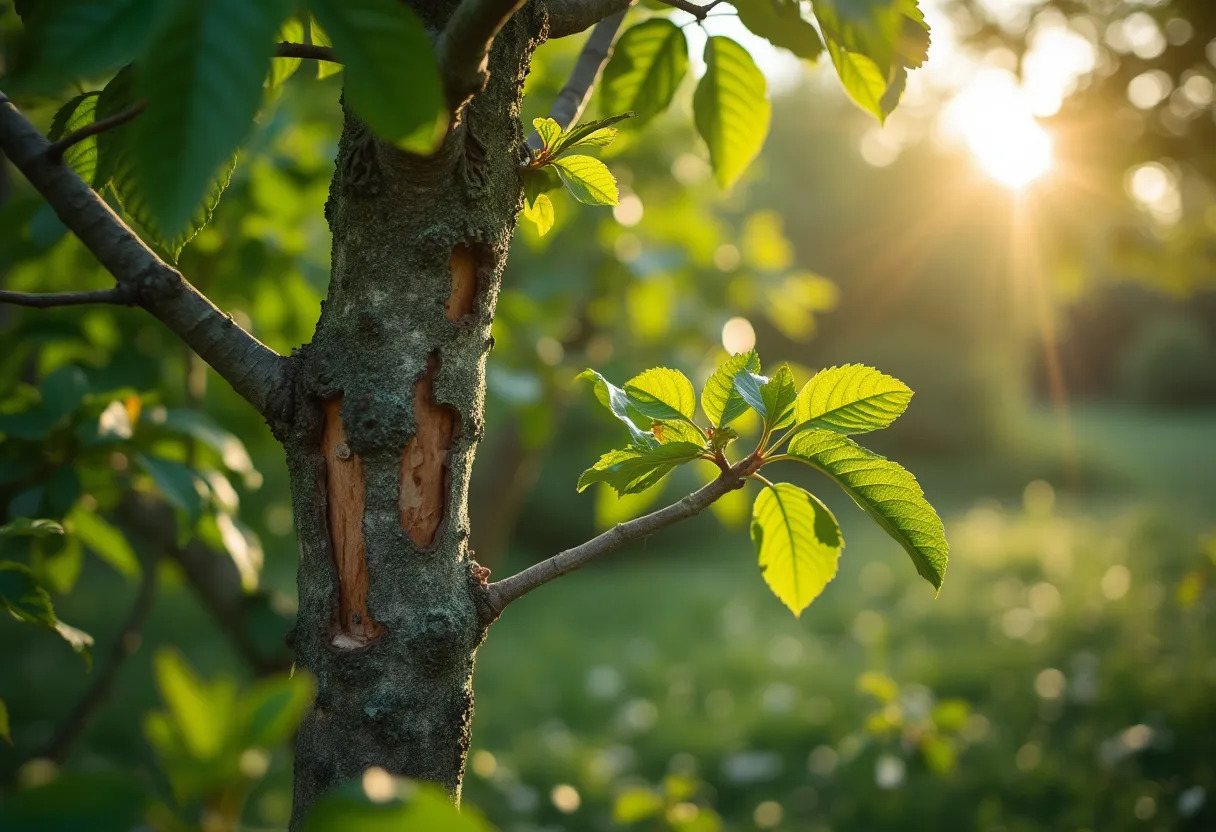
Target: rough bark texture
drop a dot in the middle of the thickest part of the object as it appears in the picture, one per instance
(389, 397)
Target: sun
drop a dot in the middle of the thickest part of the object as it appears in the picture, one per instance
(994, 120)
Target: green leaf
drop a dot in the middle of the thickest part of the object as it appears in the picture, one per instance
(203, 428)
(540, 212)
(68, 39)
(5, 731)
(202, 80)
(676, 431)
(23, 597)
(548, 130)
(885, 491)
(26, 600)
(114, 146)
(63, 391)
(176, 482)
(392, 78)
(105, 541)
(636, 804)
(318, 36)
(647, 65)
(772, 398)
(26, 527)
(780, 22)
(200, 712)
(274, 708)
(588, 179)
(873, 43)
(853, 398)
(731, 109)
(798, 543)
(292, 31)
(617, 401)
(595, 133)
(634, 469)
(719, 398)
(72, 116)
(664, 394)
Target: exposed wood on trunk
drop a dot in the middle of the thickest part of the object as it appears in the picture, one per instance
(424, 462)
(344, 504)
(464, 284)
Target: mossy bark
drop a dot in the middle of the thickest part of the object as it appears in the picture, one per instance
(387, 414)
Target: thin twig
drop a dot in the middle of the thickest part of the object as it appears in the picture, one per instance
(125, 643)
(501, 593)
(117, 295)
(58, 148)
(309, 51)
(568, 106)
(699, 12)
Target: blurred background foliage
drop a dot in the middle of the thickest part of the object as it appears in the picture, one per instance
(1029, 243)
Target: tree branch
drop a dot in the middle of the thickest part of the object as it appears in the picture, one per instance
(569, 17)
(125, 643)
(254, 370)
(119, 295)
(465, 43)
(57, 149)
(568, 106)
(308, 51)
(699, 12)
(501, 593)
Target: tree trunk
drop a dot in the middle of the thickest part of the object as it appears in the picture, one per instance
(388, 411)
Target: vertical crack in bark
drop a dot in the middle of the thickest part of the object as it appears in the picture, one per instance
(424, 480)
(344, 506)
(463, 265)
(424, 461)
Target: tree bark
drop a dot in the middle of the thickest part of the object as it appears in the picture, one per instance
(388, 401)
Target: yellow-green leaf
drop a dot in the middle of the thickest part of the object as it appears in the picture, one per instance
(292, 31)
(885, 491)
(798, 543)
(719, 398)
(548, 130)
(540, 212)
(772, 398)
(632, 470)
(588, 179)
(319, 37)
(873, 44)
(661, 393)
(781, 23)
(731, 109)
(853, 398)
(648, 63)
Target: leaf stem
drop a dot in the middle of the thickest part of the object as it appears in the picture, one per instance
(756, 476)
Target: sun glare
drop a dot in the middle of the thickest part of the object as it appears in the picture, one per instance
(993, 118)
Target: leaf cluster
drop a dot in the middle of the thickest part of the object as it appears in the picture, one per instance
(797, 538)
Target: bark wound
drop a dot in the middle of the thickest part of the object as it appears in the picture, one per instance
(344, 505)
(424, 481)
(463, 266)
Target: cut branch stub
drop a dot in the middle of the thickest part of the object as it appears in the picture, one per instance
(345, 499)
